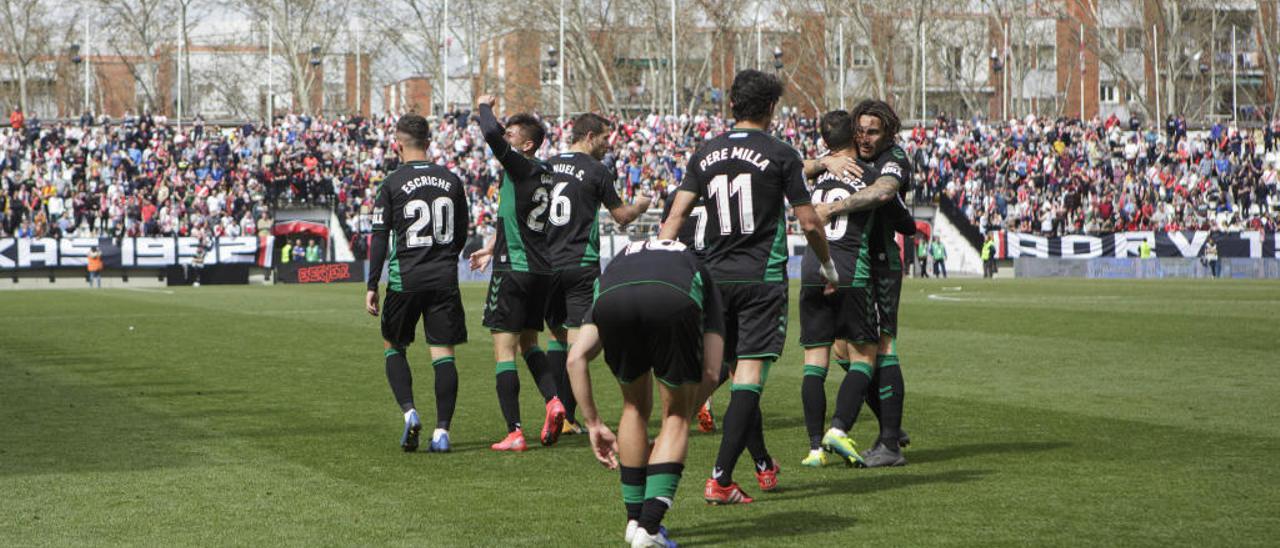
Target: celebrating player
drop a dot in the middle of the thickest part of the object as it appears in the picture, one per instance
(422, 208)
(580, 184)
(743, 176)
(847, 314)
(657, 310)
(517, 294)
(876, 127)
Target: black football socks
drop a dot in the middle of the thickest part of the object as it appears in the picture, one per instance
(744, 401)
(813, 396)
(509, 394)
(633, 486)
(536, 360)
(851, 395)
(400, 378)
(446, 390)
(661, 481)
(557, 355)
(890, 395)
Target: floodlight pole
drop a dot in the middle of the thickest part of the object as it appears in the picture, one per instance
(560, 73)
(674, 88)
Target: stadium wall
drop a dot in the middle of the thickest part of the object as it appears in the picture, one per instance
(1156, 268)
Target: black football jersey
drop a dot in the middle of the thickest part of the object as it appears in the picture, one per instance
(847, 234)
(667, 263)
(745, 178)
(694, 230)
(892, 162)
(424, 207)
(580, 184)
(523, 200)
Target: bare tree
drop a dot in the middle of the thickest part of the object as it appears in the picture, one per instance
(26, 26)
(305, 31)
(137, 31)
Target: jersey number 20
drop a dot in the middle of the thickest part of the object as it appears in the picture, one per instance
(440, 210)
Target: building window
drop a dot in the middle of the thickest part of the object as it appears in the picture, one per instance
(953, 62)
(861, 57)
(1107, 94)
(1046, 58)
(1133, 39)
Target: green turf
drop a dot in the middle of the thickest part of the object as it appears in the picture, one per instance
(1068, 413)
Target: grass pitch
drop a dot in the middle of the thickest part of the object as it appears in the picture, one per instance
(1057, 412)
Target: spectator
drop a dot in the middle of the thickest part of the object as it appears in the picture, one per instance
(939, 253)
(1211, 256)
(922, 255)
(95, 267)
(16, 120)
(313, 252)
(299, 251)
(989, 257)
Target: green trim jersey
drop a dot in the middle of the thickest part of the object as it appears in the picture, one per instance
(665, 263)
(745, 178)
(424, 207)
(846, 234)
(580, 184)
(693, 232)
(892, 162)
(523, 199)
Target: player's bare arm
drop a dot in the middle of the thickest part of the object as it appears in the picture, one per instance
(679, 210)
(480, 258)
(626, 214)
(811, 225)
(842, 166)
(877, 194)
(604, 444)
(378, 242)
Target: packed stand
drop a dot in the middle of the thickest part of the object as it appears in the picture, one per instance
(1057, 177)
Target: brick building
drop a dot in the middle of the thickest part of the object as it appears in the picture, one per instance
(220, 81)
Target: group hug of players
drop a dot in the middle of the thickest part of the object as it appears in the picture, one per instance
(703, 304)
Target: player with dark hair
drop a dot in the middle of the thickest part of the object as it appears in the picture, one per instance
(745, 177)
(875, 129)
(656, 309)
(421, 208)
(849, 313)
(693, 236)
(580, 184)
(517, 296)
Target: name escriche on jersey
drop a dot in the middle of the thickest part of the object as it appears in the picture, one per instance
(426, 180)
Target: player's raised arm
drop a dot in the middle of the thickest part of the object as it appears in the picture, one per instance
(516, 163)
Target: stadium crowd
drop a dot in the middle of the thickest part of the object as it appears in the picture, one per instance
(141, 177)
(1059, 177)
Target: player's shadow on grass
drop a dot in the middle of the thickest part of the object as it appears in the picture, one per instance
(864, 482)
(779, 525)
(939, 454)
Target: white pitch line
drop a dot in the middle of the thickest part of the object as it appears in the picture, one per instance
(149, 290)
(937, 297)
